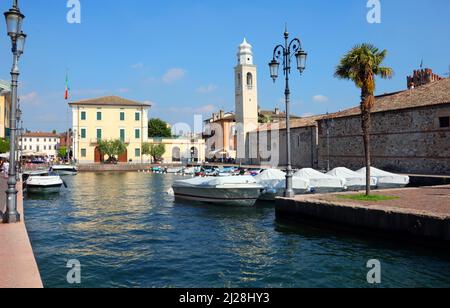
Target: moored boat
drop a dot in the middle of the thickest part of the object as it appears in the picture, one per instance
(320, 182)
(353, 181)
(274, 183)
(386, 180)
(233, 190)
(44, 183)
(64, 169)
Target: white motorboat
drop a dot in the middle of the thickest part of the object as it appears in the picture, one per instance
(44, 183)
(353, 180)
(174, 170)
(320, 182)
(234, 190)
(274, 183)
(191, 170)
(64, 169)
(386, 180)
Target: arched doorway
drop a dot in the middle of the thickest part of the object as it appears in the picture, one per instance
(123, 158)
(176, 155)
(98, 156)
(194, 154)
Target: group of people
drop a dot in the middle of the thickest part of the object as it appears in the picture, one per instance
(4, 167)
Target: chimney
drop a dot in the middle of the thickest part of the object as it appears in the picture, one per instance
(277, 111)
(221, 114)
(422, 77)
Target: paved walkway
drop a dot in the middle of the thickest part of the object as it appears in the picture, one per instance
(431, 201)
(419, 213)
(18, 268)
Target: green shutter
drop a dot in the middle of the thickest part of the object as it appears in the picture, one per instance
(83, 133)
(137, 116)
(83, 115)
(137, 152)
(122, 116)
(99, 134)
(99, 116)
(83, 152)
(122, 135)
(137, 134)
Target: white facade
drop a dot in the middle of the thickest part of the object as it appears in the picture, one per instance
(246, 97)
(43, 144)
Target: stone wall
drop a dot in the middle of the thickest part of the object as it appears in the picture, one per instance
(408, 141)
(107, 167)
(271, 147)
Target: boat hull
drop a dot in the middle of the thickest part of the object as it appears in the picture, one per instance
(44, 189)
(65, 172)
(271, 194)
(224, 196)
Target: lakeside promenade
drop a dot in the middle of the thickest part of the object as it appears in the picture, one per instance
(18, 268)
(421, 214)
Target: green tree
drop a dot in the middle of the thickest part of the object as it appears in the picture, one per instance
(158, 128)
(62, 152)
(361, 65)
(156, 151)
(264, 119)
(112, 148)
(4, 146)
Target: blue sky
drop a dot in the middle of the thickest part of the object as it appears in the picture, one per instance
(180, 55)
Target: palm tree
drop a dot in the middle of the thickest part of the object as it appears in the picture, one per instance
(361, 65)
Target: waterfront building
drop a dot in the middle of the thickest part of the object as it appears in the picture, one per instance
(226, 132)
(182, 150)
(40, 143)
(410, 128)
(108, 118)
(246, 97)
(410, 132)
(220, 136)
(5, 106)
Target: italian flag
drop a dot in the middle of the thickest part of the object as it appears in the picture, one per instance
(66, 95)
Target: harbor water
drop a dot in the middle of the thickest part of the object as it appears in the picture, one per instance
(126, 231)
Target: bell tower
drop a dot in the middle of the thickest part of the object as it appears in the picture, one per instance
(246, 99)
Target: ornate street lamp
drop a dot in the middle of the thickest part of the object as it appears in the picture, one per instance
(284, 54)
(14, 19)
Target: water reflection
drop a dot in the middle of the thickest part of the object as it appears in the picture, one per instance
(127, 231)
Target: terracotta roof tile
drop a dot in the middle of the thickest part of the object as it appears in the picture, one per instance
(434, 93)
(40, 135)
(109, 101)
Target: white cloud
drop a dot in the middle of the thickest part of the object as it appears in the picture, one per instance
(30, 98)
(320, 98)
(207, 89)
(123, 90)
(137, 66)
(173, 75)
(210, 108)
(206, 109)
(307, 114)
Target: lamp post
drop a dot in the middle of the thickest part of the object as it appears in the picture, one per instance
(18, 140)
(14, 19)
(285, 53)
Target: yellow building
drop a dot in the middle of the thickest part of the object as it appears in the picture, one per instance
(5, 107)
(182, 150)
(109, 118)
